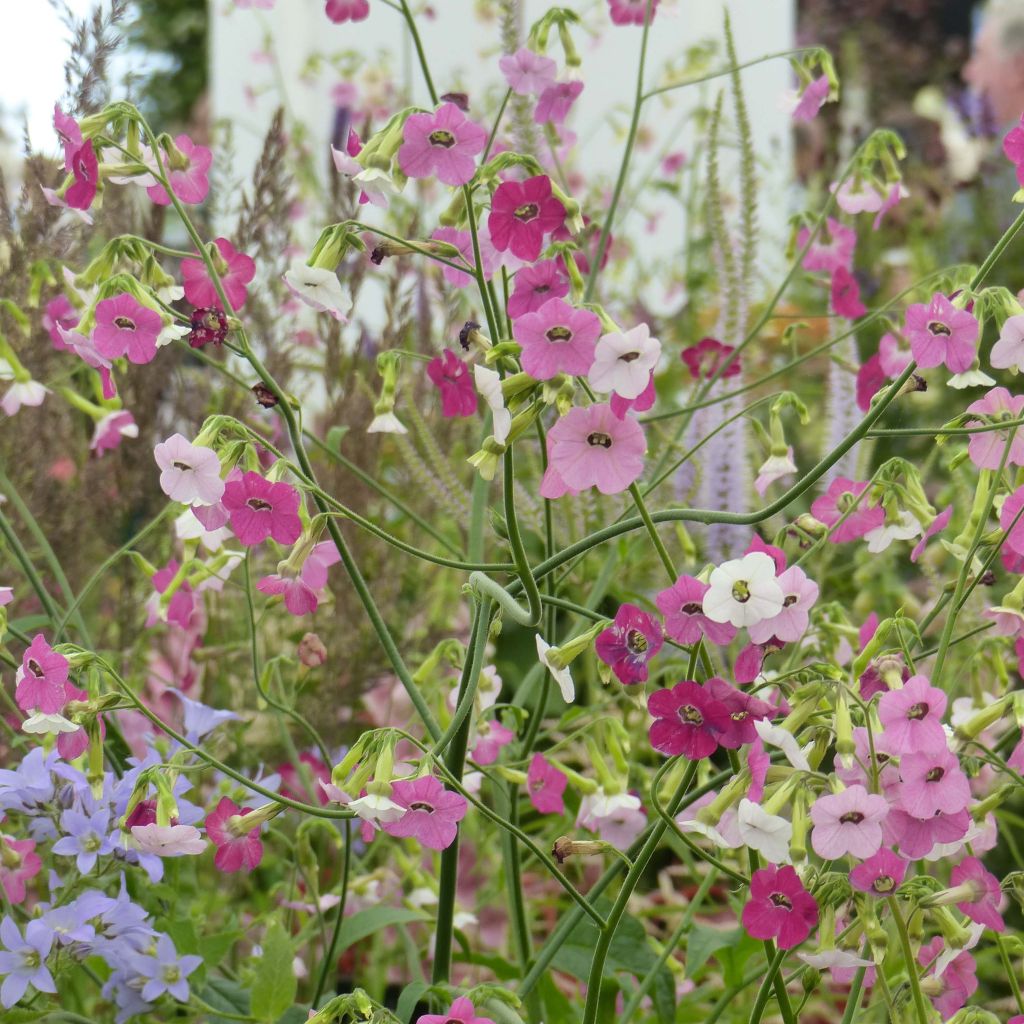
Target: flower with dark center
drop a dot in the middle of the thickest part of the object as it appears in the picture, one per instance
(209, 325)
(629, 643)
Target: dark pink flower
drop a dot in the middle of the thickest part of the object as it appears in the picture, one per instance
(704, 359)
(620, 406)
(41, 679)
(73, 744)
(442, 145)
(591, 447)
(685, 620)
(522, 214)
(299, 597)
(545, 785)
(912, 716)
(86, 170)
(846, 295)
(933, 782)
(259, 509)
(60, 313)
(982, 905)
(871, 378)
(915, 837)
(687, 720)
(831, 249)
(629, 643)
(743, 711)
(631, 12)
(432, 812)
(111, 430)
(779, 907)
(556, 101)
(461, 1011)
(938, 524)
(1013, 147)
(125, 327)
(956, 984)
(941, 333)
(187, 174)
(68, 132)
(236, 851)
(535, 285)
(986, 449)
(830, 507)
(199, 288)
(812, 99)
(183, 610)
(340, 11)
(557, 338)
(451, 377)
(209, 326)
(880, 874)
(18, 863)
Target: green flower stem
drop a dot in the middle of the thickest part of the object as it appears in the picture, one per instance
(418, 249)
(417, 42)
(666, 558)
(771, 978)
(332, 945)
(494, 131)
(33, 577)
(853, 999)
(1010, 973)
(629, 883)
(908, 960)
(936, 432)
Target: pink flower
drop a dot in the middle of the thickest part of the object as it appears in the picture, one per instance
(189, 473)
(912, 717)
(527, 73)
(704, 359)
(111, 430)
(556, 101)
(631, 12)
(545, 785)
(889, 201)
(642, 402)
(982, 905)
(687, 720)
(941, 333)
(443, 144)
(880, 874)
(831, 249)
(460, 1012)
(933, 782)
(916, 837)
(535, 285)
(871, 378)
(318, 561)
(1009, 348)
(799, 593)
(849, 822)
(235, 851)
(299, 597)
(432, 812)
(856, 196)
(557, 338)
(259, 509)
(956, 984)
(69, 133)
(779, 907)
(629, 643)
(830, 507)
(590, 447)
(744, 710)
(340, 11)
(18, 864)
(1013, 147)
(893, 355)
(1007, 514)
(492, 736)
(186, 173)
(199, 288)
(986, 449)
(938, 524)
(522, 214)
(846, 295)
(463, 241)
(41, 679)
(60, 313)
(685, 621)
(125, 327)
(812, 99)
(86, 170)
(451, 377)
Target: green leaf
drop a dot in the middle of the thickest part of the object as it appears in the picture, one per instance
(225, 995)
(213, 948)
(734, 959)
(703, 942)
(273, 992)
(334, 436)
(183, 934)
(411, 995)
(357, 927)
(294, 1015)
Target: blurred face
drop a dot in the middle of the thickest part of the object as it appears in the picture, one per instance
(995, 75)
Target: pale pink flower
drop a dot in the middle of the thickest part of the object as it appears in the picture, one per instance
(849, 822)
(912, 716)
(984, 893)
(557, 338)
(41, 679)
(189, 182)
(831, 506)
(986, 449)
(623, 361)
(444, 144)
(23, 393)
(124, 327)
(189, 473)
(857, 196)
(168, 840)
(933, 782)
(1008, 351)
(111, 430)
(812, 99)
(831, 249)
(556, 101)
(798, 596)
(527, 73)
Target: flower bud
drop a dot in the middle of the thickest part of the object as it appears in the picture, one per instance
(565, 847)
(312, 652)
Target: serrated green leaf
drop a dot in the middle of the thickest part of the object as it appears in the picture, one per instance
(274, 989)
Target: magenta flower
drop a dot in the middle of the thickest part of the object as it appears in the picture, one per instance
(86, 170)
(629, 643)
(535, 285)
(111, 430)
(871, 378)
(687, 720)
(831, 249)
(432, 812)
(704, 359)
(556, 101)
(18, 864)
(938, 524)
(443, 144)
(199, 288)
(830, 507)
(933, 782)
(798, 596)
(849, 822)
(461, 1011)
(986, 450)
(1013, 148)
(236, 850)
(522, 214)
(299, 597)
(779, 907)
(912, 717)
(957, 983)
(880, 874)
(451, 377)
(209, 326)
(527, 73)
(557, 338)
(545, 785)
(685, 621)
(744, 710)
(59, 315)
(340, 11)
(69, 133)
(631, 12)
(259, 509)
(41, 679)
(125, 327)
(812, 99)
(941, 333)
(591, 447)
(187, 174)
(985, 893)
(845, 293)
(189, 473)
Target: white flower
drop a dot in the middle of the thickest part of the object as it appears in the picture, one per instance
(743, 591)
(23, 392)
(561, 675)
(171, 332)
(422, 897)
(168, 840)
(776, 736)
(487, 690)
(386, 423)
(882, 536)
(377, 808)
(52, 725)
(488, 384)
(599, 807)
(187, 527)
(767, 833)
(318, 288)
(623, 362)
(774, 468)
(973, 378)
(843, 958)
(951, 952)
(379, 186)
(1008, 352)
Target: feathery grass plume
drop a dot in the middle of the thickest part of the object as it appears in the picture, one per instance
(94, 39)
(520, 108)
